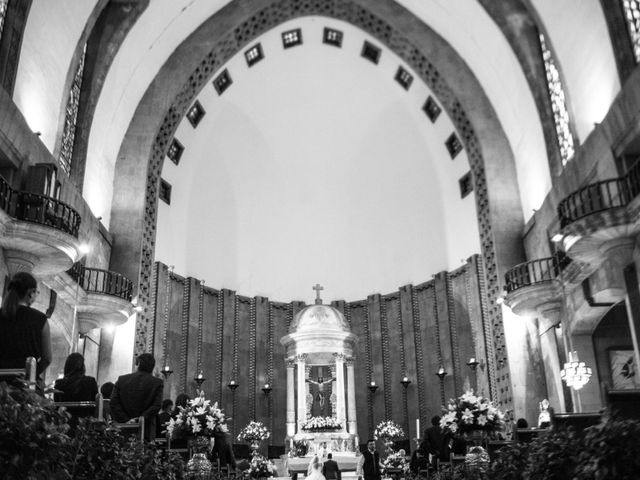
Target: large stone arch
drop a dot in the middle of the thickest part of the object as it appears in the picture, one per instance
(134, 209)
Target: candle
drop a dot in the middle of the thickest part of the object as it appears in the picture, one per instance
(418, 428)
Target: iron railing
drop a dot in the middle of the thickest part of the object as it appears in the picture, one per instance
(600, 196)
(40, 209)
(535, 271)
(106, 282)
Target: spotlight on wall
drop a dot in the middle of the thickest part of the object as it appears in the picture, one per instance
(372, 386)
(473, 364)
(405, 382)
(199, 379)
(166, 372)
(233, 385)
(267, 389)
(441, 373)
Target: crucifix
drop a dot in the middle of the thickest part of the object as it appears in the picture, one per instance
(317, 288)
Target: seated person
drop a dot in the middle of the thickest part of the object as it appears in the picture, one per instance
(222, 452)
(164, 415)
(138, 394)
(106, 390)
(75, 386)
(418, 462)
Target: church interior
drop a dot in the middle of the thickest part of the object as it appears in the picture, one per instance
(317, 208)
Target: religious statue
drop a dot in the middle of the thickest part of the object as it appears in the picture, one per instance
(321, 395)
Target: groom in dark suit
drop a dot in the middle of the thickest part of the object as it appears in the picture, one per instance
(138, 394)
(330, 469)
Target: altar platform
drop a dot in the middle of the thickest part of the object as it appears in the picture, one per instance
(347, 461)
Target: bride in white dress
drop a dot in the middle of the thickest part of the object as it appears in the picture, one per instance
(314, 472)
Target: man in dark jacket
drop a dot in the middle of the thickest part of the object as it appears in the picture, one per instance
(330, 469)
(434, 442)
(138, 394)
(369, 465)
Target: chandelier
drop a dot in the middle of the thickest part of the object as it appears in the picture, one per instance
(575, 373)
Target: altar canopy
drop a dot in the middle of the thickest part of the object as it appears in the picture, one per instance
(320, 379)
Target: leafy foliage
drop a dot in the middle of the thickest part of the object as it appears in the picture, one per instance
(611, 451)
(510, 462)
(35, 445)
(553, 456)
(33, 435)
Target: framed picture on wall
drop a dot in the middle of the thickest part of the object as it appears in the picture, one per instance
(624, 373)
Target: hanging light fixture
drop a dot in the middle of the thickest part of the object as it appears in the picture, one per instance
(575, 373)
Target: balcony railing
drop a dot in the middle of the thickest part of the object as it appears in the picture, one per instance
(95, 280)
(31, 207)
(535, 272)
(600, 196)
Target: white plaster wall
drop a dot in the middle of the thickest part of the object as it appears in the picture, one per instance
(162, 26)
(580, 40)
(317, 165)
(477, 39)
(51, 35)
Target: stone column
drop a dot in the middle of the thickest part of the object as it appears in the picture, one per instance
(301, 361)
(291, 401)
(340, 410)
(351, 397)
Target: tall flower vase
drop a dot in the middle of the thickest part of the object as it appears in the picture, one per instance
(199, 466)
(388, 445)
(476, 460)
(255, 446)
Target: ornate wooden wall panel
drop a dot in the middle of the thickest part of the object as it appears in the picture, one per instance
(411, 401)
(426, 300)
(210, 366)
(263, 359)
(280, 315)
(408, 332)
(377, 359)
(362, 367)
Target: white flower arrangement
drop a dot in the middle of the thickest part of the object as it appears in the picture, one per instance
(319, 424)
(396, 460)
(254, 432)
(388, 430)
(470, 412)
(198, 418)
(261, 467)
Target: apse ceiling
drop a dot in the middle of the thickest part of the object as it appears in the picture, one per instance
(316, 155)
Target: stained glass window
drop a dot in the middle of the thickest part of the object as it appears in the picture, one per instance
(632, 14)
(3, 12)
(71, 116)
(558, 104)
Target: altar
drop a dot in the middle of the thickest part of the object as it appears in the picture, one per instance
(346, 461)
(321, 409)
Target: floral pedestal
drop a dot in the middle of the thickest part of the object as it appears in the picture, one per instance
(476, 460)
(255, 446)
(199, 467)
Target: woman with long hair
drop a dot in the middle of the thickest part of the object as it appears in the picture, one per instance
(75, 386)
(314, 472)
(24, 331)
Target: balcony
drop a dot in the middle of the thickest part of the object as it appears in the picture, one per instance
(599, 214)
(532, 288)
(38, 233)
(102, 298)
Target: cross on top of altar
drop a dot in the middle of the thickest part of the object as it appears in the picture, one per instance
(317, 288)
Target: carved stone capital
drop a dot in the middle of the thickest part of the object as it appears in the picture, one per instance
(290, 362)
(339, 357)
(350, 361)
(301, 357)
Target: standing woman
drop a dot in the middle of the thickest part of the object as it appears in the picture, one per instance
(24, 331)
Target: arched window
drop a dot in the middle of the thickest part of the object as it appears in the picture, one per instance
(558, 104)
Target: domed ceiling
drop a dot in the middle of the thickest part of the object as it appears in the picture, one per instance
(315, 164)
